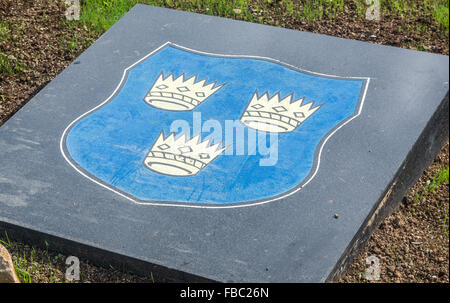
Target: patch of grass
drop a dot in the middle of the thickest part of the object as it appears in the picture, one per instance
(440, 14)
(33, 265)
(71, 44)
(289, 5)
(100, 15)
(6, 242)
(5, 30)
(361, 8)
(44, 265)
(316, 9)
(441, 177)
(10, 65)
(312, 11)
(11, 31)
(409, 9)
(399, 7)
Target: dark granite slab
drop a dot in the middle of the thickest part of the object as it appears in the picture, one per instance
(65, 177)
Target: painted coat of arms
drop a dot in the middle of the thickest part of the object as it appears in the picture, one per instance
(188, 128)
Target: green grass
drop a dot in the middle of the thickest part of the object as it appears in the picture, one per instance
(71, 43)
(441, 177)
(399, 7)
(317, 9)
(100, 15)
(31, 264)
(44, 265)
(10, 65)
(408, 9)
(361, 8)
(6, 242)
(440, 14)
(5, 30)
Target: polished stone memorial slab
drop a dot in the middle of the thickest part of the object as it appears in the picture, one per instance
(200, 148)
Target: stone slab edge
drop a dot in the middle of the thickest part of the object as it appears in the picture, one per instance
(428, 145)
(422, 154)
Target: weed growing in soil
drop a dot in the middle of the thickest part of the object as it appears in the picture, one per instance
(6, 242)
(10, 65)
(5, 29)
(32, 264)
(441, 177)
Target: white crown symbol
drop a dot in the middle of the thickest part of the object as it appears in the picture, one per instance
(179, 94)
(178, 157)
(272, 115)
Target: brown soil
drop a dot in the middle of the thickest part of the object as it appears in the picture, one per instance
(38, 38)
(412, 244)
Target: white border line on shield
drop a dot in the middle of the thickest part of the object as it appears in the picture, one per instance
(214, 206)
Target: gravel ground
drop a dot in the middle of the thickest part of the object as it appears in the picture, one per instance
(412, 244)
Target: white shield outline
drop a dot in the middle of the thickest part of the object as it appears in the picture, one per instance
(297, 188)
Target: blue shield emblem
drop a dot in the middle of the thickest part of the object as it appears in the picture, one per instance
(188, 128)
